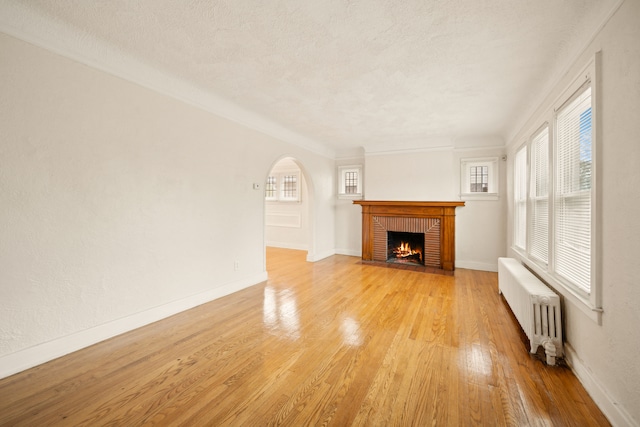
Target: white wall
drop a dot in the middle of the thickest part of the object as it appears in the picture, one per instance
(434, 175)
(480, 224)
(287, 223)
(119, 206)
(421, 175)
(605, 357)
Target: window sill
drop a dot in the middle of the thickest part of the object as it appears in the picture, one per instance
(282, 201)
(349, 196)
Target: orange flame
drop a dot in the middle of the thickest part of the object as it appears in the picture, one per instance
(405, 250)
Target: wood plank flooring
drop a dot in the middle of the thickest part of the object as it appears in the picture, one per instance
(335, 342)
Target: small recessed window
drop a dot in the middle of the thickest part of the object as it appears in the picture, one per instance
(283, 187)
(270, 190)
(350, 181)
(479, 178)
(290, 187)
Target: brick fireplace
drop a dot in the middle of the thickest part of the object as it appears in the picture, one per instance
(434, 220)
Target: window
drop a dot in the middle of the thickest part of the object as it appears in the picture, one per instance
(479, 178)
(573, 179)
(270, 190)
(289, 187)
(554, 196)
(350, 181)
(520, 198)
(283, 187)
(539, 195)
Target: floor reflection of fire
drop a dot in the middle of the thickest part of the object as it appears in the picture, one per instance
(406, 253)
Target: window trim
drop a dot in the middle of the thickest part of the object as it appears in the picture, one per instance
(465, 178)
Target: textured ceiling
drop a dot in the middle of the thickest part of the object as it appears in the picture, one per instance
(360, 73)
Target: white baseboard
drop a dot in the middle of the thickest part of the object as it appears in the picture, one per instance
(617, 414)
(320, 255)
(33, 356)
(473, 265)
(349, 252)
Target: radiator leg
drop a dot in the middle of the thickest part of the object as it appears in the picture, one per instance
(533, 346)
(550, 351)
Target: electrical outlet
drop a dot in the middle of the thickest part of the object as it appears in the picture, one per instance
(236, 265)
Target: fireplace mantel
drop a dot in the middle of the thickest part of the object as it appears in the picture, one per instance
(444, 212)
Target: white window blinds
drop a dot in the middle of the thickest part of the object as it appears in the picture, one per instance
(573, 182)
(539, 196)
(520, 198)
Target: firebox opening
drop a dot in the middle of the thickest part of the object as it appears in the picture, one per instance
(405, 248)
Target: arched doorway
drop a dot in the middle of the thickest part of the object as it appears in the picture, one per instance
(289, 207)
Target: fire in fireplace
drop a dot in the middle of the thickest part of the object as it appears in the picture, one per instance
(403, 247)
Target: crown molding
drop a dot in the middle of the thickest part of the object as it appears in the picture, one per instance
(20, 21)
(391, 151)
(411, 146)
(483, 148)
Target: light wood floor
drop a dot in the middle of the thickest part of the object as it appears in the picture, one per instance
(329, 343)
